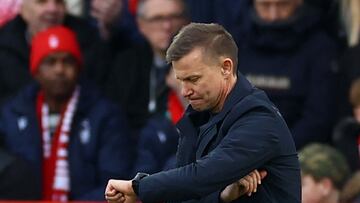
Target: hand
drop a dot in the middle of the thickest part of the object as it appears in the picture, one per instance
(120, 191)
(246, 185)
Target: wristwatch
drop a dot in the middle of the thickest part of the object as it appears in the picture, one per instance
(136, 181)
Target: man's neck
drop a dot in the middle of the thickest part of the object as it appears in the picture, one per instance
(55, 104)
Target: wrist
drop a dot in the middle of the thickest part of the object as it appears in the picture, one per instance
(135, 182)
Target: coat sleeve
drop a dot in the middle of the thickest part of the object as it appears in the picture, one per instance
(250, 142)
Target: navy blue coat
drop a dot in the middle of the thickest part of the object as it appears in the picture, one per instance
(216, 150)
(99, 147)
(157, 144)
(293, 63)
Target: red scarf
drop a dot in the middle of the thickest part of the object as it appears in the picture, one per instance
(56, 177)
(175, 108)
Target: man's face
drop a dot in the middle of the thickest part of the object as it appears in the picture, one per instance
(202, 84)
(160, 21)
(276, 10)
(41, 14)
(312, 191)
(57, 74)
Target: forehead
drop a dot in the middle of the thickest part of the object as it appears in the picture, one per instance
(162, 7)
(191, 64)
(59, 55)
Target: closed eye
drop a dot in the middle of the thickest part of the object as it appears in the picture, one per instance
(193, 79)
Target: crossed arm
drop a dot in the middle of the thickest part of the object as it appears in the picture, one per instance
(121, 191)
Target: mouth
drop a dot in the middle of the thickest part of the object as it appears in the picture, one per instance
(194, 101)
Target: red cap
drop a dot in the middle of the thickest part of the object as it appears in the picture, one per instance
(54, 39)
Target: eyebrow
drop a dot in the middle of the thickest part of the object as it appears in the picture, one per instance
(188, 78)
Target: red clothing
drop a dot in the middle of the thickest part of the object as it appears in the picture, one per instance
(175, 108)
(8, 10)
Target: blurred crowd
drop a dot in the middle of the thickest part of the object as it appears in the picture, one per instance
(86, 94)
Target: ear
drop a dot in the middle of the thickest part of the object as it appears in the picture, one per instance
(326, 186)
(227, 67)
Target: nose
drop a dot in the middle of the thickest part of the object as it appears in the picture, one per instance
(273, 13)
(59, 67)
(186, 91)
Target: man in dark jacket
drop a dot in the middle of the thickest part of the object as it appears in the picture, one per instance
(288, 55)
(230, 129)
(139, 85)
(74, 139)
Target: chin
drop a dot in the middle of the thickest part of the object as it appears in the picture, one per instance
(199, 108)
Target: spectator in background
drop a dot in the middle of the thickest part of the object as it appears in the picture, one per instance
(158, 140)
(346, 137)
(288, 56)
(351, 190)
(349, 61)
(8, 10)
(324, 171)
(16, 35)
(137, 78)
(228, 13)
(73, 137)
(157, 145)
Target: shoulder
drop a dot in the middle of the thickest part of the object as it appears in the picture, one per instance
(25, 98)
(255, 108)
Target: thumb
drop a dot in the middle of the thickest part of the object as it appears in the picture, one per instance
(263, 174)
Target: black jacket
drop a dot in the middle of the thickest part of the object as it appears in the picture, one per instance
(249, 133)
(128, 84)
(293, 62)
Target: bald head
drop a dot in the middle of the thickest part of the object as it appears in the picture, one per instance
(160, 20)
(41, 14)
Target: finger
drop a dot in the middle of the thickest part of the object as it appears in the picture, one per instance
(258, 177)
(250, 183)
(243, 186)
(111, 193)
(255, 181)
(263, 174)
(109, 188)
(121, 200)
(117, 197)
